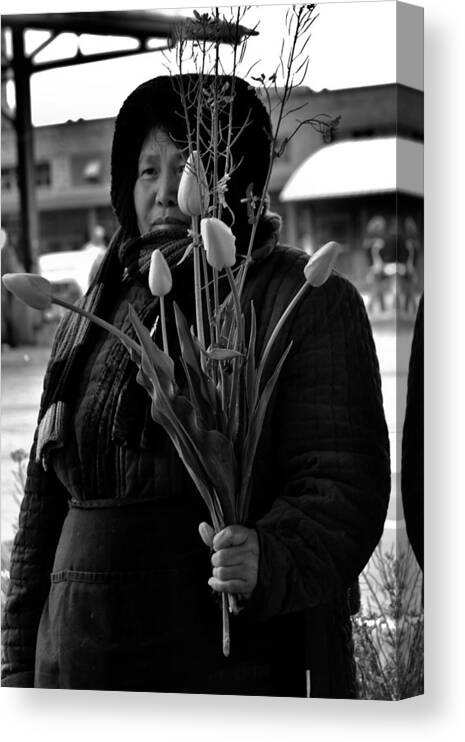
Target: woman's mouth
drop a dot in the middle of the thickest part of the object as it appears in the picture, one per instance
(167, 220)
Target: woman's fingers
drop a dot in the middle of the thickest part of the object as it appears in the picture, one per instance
(235, 558)
(206, 533)
(231, 536)
(239, 572)
(229, 557)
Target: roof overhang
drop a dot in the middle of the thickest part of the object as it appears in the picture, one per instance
(141, 24)
(358, 167)
(117, 23)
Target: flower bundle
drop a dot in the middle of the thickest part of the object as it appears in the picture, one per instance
(215, 421)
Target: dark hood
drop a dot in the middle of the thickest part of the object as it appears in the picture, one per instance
(157, 102)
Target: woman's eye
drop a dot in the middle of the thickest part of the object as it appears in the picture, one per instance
(149, 172)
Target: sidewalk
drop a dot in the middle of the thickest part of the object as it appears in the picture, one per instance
(22, 378)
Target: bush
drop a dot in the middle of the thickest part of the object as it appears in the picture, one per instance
(388, 631)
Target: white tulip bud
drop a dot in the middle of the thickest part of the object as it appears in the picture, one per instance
(193, 195)
(319, 267)
(160, 279)
(31, 289)
(219, 243)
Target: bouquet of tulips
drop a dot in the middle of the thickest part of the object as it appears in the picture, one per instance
(215, 421)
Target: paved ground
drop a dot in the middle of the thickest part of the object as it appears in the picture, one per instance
(22, 376)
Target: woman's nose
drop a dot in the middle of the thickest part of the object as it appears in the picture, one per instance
(167, 190)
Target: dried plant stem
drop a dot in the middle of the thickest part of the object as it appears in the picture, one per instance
(284, 99)
(215, 128)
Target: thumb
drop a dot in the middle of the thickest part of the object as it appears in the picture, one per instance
(206, 533)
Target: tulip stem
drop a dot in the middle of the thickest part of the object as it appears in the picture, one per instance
(216, 301)
(125, 339)
(198, 284)
(303, 289)
(239, 346)
(225, 612)
(206, 288)
(163, 325)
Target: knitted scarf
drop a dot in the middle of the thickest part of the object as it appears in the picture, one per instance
(126, 260)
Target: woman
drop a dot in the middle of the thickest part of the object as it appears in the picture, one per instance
(111, 512)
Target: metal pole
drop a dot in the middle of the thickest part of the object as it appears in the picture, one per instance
(28, 216)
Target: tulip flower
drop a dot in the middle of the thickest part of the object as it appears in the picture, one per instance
(193, 195)
(31, 289)
(160, 284)
(219, 243)
(319, 267)
(317, 271)
(160, 280)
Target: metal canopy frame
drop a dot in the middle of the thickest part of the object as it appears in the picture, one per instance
(139, 25)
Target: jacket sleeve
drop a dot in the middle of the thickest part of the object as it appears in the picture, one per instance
(42, 512)
(333, 451)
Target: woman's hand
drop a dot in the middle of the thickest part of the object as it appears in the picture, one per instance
(234, 559)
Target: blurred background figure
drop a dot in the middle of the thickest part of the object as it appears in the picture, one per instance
(18, 320)
(96, 240)
(392, 277)
(97, 248)
(412, 247)
(307, 243)
(71, 271)
(375, 242)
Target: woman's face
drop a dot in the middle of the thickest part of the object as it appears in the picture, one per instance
(160, 169)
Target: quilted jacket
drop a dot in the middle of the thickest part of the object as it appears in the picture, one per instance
(321, 488)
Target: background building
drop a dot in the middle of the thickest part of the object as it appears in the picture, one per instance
(72, 170)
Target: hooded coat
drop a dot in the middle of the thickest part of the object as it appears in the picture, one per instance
(109, 576)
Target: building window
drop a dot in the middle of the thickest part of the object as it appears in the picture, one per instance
(9, 181)
(42, 176)
(88, 169)
(92, 172)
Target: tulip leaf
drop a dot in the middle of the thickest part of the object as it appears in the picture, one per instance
(190, 353)
(204, 411)
(187, 252)
(207, 454)
(215, 453)
(253, 436)
(251, 382)
(166, 412)
(211, 453)
(226, 318)
(222, 354)
(160, 360)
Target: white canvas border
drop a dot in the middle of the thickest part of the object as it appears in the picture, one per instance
(70, 715)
